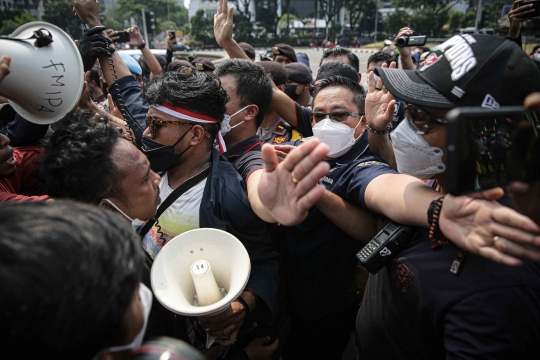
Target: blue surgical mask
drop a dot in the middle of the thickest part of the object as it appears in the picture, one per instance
(135, 223)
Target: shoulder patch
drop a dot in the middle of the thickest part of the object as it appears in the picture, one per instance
(372, 163)
(280, 128)
(279, 139)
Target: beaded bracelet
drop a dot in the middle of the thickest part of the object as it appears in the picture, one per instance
(388, 128)
(435, 235)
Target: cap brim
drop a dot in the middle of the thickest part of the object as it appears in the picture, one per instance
(409, 87)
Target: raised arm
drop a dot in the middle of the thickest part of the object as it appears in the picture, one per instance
(379, 114)
(123, 85)
(476, 223)
(152, 62)
(223, 29)
(405, 51)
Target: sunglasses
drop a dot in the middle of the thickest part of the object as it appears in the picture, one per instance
(421, 120)
(152, 123)
(339, 116)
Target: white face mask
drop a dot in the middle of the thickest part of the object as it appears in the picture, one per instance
(339, 137)
(146, 300)
(226, 123)
(414, 156)
(135, 223)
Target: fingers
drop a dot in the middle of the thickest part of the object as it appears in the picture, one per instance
(284, 148)
(389, 113)
(517, 188)
(371, 87)
(532, 101)
(230, 14)
(222, 333)
(296, 155)
(269, 157)
(5, 61)
(230, 341)
(496, 255)
(309, 200)
(393, 65)
(511, 218)
(510, 248)
(490, 194)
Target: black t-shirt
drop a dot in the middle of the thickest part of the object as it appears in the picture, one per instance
(414, 308)
(246, 156)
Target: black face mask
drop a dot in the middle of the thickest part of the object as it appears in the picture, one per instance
(161, 157)
(290, 90)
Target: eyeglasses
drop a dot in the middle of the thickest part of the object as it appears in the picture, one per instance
(422, 121)
(152, 123)
(339, 116)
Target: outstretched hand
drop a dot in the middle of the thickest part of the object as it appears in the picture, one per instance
(480, 225)
(379, 103)
(223, 23)
(290, 188)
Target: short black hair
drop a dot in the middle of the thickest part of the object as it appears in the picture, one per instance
(359, 94)
(68, 272)
(339, 51)
(535, 48)
(94, 76)
(337, 68)
(77, 163)
(380, 56)
(277, 72)
(253, 86)
(192, 90)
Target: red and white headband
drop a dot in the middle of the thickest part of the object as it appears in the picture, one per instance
(184, 114)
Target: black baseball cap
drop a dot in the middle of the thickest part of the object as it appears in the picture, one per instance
(467, 70)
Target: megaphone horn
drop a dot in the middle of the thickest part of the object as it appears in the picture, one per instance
(46, 72)
(199, 262)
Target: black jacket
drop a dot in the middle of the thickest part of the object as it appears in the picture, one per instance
(225, 206)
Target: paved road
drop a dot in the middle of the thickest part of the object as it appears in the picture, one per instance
(315, 57)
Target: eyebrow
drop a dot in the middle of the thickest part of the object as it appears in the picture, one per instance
(148, 171)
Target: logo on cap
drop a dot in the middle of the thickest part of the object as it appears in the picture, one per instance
(275, 50)
(490, 102)
(430, 60)
(199, 66)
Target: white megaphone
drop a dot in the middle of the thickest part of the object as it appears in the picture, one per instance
(180, 271)
(46, 78)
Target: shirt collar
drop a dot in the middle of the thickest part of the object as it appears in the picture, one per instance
(249, 144)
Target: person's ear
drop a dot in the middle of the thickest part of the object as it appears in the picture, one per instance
(251, 113)
(198, 134)
(281, 87)
(359, 77)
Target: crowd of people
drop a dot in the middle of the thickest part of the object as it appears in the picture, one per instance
(304, 169)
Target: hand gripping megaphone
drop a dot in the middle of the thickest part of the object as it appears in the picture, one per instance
(46, 77)
(187, 265)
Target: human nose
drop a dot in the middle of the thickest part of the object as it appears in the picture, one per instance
(4, 140)
(156, 179)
